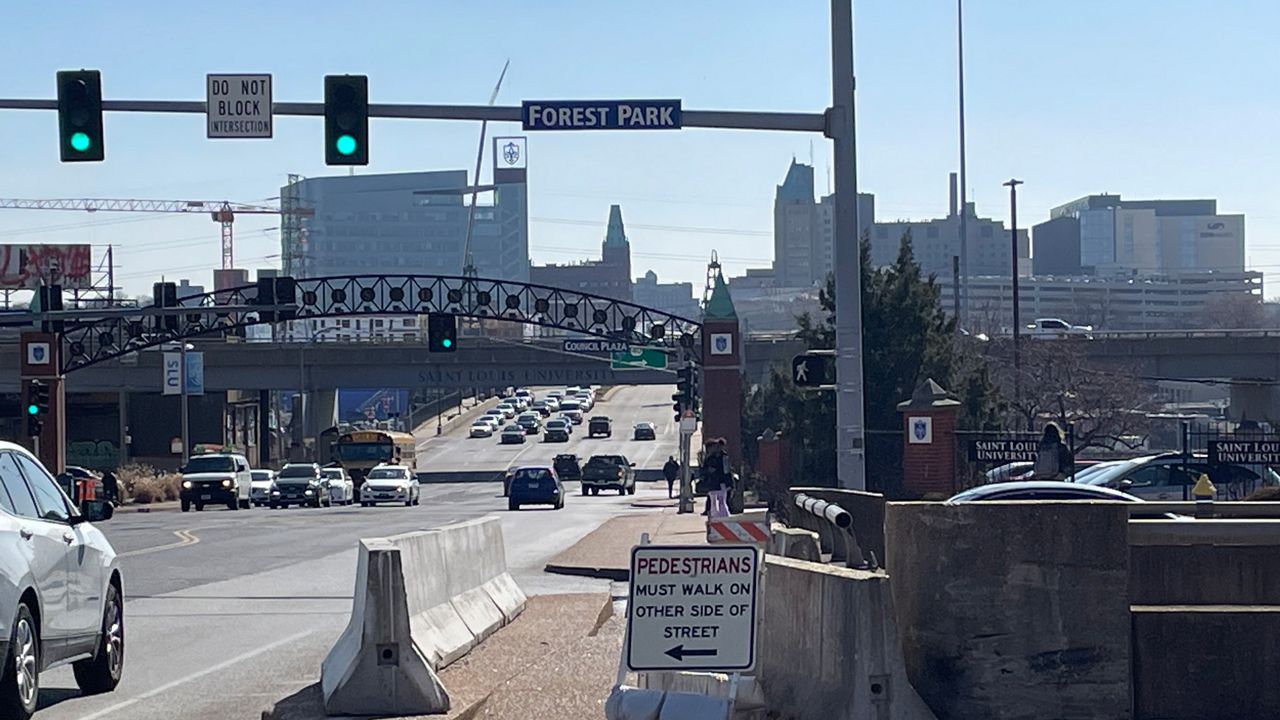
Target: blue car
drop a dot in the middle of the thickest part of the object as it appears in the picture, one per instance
(538, 485)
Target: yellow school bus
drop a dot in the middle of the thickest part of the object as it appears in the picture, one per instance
(359, 451)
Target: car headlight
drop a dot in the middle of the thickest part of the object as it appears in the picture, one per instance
(275, 492)
(402, 488)
(364, 487)
(309, 491)
(226, 483)
(186, 484)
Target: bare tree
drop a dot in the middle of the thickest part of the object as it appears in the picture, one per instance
(1108, 409)
(1234, 311)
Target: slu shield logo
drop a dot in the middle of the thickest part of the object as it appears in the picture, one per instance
(511, 153)
(722, 344)
(37, 353)
(920, 429)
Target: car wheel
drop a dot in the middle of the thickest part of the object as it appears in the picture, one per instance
(513, 506)
(273, 506)
(20, 682)
(595, 491)
(246, 505)
(102, 673)
(199, 507)
(186, 506)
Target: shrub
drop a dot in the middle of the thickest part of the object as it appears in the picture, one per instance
(1266, 493)
(144, 484)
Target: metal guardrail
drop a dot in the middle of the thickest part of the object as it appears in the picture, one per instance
(834, 526)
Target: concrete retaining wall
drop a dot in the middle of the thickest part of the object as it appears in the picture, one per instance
(1014, 610)
(828, 645)
(422, 600)
(1192, 663)
(866, 508)
(1204, 562)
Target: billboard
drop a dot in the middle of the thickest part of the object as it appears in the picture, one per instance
(26, 267)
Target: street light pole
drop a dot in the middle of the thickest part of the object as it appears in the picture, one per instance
(186, 415)
(850, 442)
(1013, 184)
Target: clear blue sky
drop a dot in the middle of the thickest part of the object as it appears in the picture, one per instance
(1147, 98)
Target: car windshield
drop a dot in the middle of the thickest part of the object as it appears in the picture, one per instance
(1083, 475)
(261, 475)
(297, 471)
(605, 460)
(388, 474)
(1108, 476)
(557, 423)
(533, 474)
(333, 474)
(210, 464)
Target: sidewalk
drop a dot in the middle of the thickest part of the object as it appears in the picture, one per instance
(558, 659)
(606, 551)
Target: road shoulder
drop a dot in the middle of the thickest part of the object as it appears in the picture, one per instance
(606, 551)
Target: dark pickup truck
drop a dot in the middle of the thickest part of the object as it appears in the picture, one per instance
(609, 472)
(599, 425)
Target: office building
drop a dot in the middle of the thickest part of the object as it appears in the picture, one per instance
(1107, 235)
(803, 230)
(1106, 303)
(674, 298)
(404, 224)
(610, 276)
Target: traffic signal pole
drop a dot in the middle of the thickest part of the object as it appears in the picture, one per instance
(41, 365)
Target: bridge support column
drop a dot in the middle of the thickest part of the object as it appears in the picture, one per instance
(1254, 402)
(722, 372)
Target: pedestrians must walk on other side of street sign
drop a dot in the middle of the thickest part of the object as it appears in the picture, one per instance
(692, 607)
(601, 115)
(238, 106)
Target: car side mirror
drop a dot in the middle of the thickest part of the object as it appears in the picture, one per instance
(1126, 484)
(633, 464)
(97, 510)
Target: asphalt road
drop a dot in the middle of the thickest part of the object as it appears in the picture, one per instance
(626, 405)
(226, 609)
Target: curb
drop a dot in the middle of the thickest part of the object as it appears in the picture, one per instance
(601, 573)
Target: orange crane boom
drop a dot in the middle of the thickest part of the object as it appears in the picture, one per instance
(223, 212)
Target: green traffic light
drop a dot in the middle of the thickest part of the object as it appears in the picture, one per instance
(447, 343)
(346, 145)
(33, 409)
(80, 142)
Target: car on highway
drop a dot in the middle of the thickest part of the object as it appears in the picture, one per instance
(609, 472)
(512, 434)
(570, 405)
(390, 483)
(585, 403)
(531, 422)
(508, 410)
(599, 425)
(342, 491)
(301, 484)
(260, 486)
(552, 402)
(497, 415)
(1051, 328)
(557, 430)
(216, 479)
(535, 486)
(527, 394)
(482, 428)
(541, 407)
(567, 467)
(573, 416)
(644, 431)
(60, 587)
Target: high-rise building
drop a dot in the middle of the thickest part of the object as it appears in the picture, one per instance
(405, 223)
(803, 230)
(1106, 235)
(610, 276)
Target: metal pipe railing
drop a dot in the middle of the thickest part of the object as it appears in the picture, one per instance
(834, 526)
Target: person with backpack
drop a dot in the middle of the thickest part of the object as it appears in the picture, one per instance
(1053, 458)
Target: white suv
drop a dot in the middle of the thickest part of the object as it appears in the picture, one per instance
(61, 593)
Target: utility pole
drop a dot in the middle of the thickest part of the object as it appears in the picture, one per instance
(851, 468)
(955, 291)
(186, 416)
(964, 201)
(1013, 184)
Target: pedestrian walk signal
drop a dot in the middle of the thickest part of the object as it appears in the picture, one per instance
(813, 370)
(346, 120)
(80, 116)
(442, 333)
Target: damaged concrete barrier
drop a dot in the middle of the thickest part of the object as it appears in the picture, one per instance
(422, 600)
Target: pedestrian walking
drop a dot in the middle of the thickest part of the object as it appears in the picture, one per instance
(1053, 458)
(111, 487)
(670, 471)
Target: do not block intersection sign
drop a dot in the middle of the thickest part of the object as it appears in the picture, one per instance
(692, 608)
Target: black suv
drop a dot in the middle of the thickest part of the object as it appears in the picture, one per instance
(299, 484)
(599, 425)
(567, 467)
(609, 472)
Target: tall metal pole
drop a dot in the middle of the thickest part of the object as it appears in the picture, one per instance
(186, 418)
(964, 201)
(955, 291)
(851, 468)
(1013, 184)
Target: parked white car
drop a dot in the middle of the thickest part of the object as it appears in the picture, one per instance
(342, 491)
(61, 591)
(1050, 328)
(260, 486)
(389, 483)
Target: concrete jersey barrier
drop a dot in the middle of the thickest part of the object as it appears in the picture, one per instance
(422, 600)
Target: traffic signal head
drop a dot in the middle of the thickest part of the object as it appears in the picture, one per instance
(36, 406)
(80, 116)
(442, 333)
(346, 120)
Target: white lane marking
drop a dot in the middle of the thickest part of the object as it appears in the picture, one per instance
(207, 671)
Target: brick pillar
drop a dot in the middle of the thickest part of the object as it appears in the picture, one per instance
(722, 385)
(929, 442)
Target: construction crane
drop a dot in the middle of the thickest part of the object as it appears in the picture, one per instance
(223, 212)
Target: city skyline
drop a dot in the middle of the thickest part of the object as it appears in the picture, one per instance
(1067, 122)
